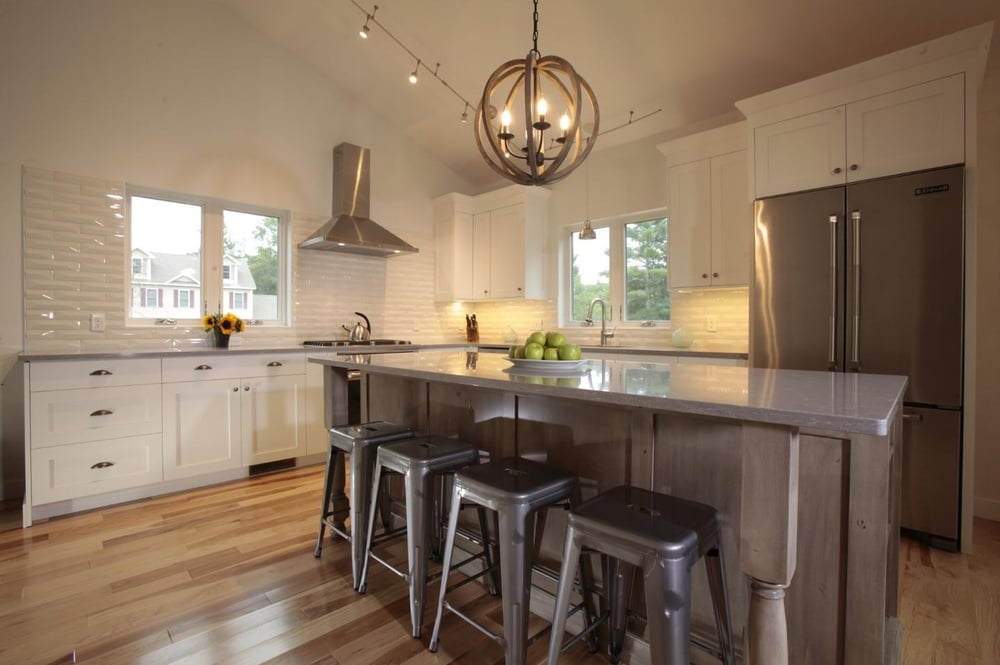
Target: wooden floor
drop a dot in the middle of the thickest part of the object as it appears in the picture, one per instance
(227, 575)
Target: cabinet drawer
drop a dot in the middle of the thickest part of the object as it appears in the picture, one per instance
(65, 374)
(221, 366)
(72, 416)
(83, 469)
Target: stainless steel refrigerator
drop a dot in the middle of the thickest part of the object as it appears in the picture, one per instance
(869, 278)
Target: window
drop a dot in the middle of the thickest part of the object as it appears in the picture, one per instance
(626, 267)
(208, 255)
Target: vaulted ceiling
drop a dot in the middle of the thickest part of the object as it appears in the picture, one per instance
(691, 58)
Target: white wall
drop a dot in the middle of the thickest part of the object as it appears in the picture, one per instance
(182, 96)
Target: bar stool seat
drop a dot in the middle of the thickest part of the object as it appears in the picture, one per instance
(420, 461)
(665, 536)
(360, 442)
(515, 488)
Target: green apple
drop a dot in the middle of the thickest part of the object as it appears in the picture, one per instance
(536, 337)
(569, 352)
(533, 351)
(519, 352)
(550, 353)
(555, 339)
(512, 351)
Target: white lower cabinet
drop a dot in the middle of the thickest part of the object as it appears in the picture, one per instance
(201, 427)
(231, 411)
(59, 473)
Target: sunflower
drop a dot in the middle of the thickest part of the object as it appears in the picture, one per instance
(229, 324)
(209, 321)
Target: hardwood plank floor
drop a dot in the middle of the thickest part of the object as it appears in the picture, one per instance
(226, 575)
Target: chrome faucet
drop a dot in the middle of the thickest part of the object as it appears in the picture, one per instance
(605, 335)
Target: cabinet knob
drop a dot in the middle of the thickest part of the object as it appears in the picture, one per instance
(247, 387)
(715, 274)
(838, 170)
(704, 275)
(854, 167)
(519, 288)
(236, 389)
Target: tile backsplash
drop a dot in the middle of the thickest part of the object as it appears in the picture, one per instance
(75, 259)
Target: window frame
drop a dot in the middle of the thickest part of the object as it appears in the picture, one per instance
(213, 255)
(616, 267)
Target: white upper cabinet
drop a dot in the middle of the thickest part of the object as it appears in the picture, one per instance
(491, 246)
(917, 127)
(710, 219)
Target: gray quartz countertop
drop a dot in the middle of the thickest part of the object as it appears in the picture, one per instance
(853, 403)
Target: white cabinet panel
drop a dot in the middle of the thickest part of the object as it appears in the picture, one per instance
(71, 416)
(802, 153)
(232, 365)
(915, 128)
(83, 469)
(201, 427)
(273, 416)
(508, 246)
(710, 221)
(66, 374)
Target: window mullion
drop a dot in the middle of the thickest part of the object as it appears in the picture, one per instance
(212, 259)
(616, 282)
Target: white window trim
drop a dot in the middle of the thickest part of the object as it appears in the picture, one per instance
(616, 241)
(212, 254)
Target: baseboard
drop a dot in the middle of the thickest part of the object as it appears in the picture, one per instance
(987, 508)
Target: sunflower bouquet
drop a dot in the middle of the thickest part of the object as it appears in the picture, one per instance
(223, 324)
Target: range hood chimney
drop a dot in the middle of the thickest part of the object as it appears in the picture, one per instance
(351, 230)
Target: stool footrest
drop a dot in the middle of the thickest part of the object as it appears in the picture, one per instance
(586, 631)
(475, 624)
(338, 528)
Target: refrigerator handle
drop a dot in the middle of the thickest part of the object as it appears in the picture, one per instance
(832, 347)
(856, 318)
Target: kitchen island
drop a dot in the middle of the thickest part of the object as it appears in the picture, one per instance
(803, 466)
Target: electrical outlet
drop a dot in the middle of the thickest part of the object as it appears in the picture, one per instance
(711, 325)
(97, 322)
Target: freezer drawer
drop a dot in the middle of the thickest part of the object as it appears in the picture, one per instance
(932, 463)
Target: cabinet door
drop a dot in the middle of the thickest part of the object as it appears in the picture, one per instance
(689, 229)
(454, 247)
(481, 224)
(273, 418)
(732, 220)
(201, 427)
(507, 238)
(801, 153)
(916, 128)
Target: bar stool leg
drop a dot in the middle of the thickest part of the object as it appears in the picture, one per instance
(326, 508)
(370, 524)
(586, 583)
(449, 548)
(668, 587)
(571, 557)
(720, 603)
(419, 507)
(620, 580)
(516, 538)
(484, 534)
(362, 481)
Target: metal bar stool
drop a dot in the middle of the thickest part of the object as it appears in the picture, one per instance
(421, 461)
(360, 442)
(515, 488)
(665, 536)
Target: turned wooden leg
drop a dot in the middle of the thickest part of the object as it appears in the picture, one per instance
(768, 535)
(767, 632)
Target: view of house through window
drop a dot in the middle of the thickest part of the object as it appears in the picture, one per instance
(168, 262)
(626, 263)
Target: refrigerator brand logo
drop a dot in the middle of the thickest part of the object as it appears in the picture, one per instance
(934, 189)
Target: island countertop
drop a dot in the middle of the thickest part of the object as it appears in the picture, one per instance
(855, 403)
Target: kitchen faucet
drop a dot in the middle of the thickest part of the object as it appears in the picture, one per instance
(605, 335)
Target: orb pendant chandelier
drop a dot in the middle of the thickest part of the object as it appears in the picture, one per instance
(513, 119)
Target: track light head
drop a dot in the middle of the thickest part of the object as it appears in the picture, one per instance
(413, 74)
(364, 31)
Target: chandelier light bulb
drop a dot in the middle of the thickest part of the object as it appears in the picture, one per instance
(505, 118)
(564, 123)
(542, 106)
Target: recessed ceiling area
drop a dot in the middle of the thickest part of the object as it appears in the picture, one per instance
(693, 60)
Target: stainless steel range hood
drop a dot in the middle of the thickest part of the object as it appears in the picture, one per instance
(351, 230)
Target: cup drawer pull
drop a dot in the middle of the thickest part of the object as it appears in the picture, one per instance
(274, 363)
(102, 465)
(100, 372)
(203, 367)
(102, 412)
